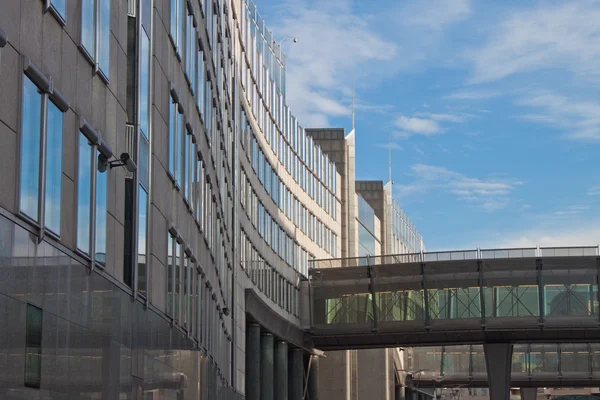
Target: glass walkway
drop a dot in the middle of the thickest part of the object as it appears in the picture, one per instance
(459, 297)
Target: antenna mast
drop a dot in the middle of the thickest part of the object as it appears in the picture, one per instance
(353, 101)
(390, 161)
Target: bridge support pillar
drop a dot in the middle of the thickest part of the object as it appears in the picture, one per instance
(399, 392)
(281, 371)
(253, 362)
(498, 360)
(529, 393)
(266, 367)
(313, 379)
(295, 374)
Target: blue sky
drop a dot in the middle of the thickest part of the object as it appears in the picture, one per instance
(491, 109)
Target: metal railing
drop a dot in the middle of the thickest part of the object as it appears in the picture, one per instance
(457, 255)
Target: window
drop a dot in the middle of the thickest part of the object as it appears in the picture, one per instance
(58, 8)
(101, 213)
(33, 134)
(84, 202)
(84, 187)
(186, 292)
(208, 112)
(190, 50)
(199, 189)
(201, 79)
(177, 280)
(95, 33)
(33, 347)
(171, 262)
(199, 304)
(142, 242)
(187, 160)
(177, 15)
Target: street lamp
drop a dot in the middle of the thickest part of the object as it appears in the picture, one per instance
(288, 37)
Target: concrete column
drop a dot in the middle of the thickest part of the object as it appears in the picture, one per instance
(498, 360)
(528, 393)
(295, 374)
(253, 362)
(266, 367)
(313, 379)
(281, 371)
(399, 392)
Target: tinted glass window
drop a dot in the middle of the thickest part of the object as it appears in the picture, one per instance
(54, 136)
(84, 178)
(30, 149)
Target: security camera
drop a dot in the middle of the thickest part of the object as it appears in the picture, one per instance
(123, 161)
(102, 163)
(128, 162)
(295, 40)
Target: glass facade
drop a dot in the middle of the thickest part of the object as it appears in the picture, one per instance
(405, 236)
(30, 149)
(95, 33)
(94, 350)
(84, 187)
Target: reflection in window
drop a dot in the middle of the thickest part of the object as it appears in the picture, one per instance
(142, 234)
(171, 243)
(88, 38)
(54, 134)
(60, 7)
(144, 84)
(177, 280)
(84, 179)
(30, 149)
(173, 129)
(33, 347)
(186, 291)
(177, 15)
(101, 213)
(97, 50)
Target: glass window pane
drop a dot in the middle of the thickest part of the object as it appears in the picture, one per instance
(84, 178)
(144, 173)
(88, 38)
(104, 37)
(170, 283)
(101, 194)
(173, 123)
(53, 168)
(144, 84)
(142, 229)
(178, 166)
(33, 347)
(60, 7)
(30, 149)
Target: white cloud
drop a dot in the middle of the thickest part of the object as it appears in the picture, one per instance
(579, 118)
(333, 42)
(472, 94)
(419, 126)
(488, 194)
(552, 237)
(390, 146)
(435, 14)
(572, 210)
(594, 191)
(553, 35)
(456, 118)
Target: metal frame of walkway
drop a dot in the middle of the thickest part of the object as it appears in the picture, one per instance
(476, 296)
(499, 298)
(532, 365)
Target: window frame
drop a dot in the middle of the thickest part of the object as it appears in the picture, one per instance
(96, 55)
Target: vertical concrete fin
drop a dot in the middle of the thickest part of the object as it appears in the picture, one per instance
(498, 360)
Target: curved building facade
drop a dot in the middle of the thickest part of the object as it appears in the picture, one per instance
(160, 203)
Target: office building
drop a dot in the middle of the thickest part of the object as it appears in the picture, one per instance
(160, 203)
